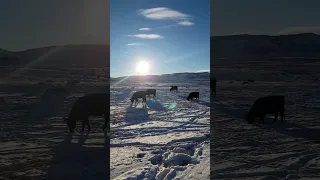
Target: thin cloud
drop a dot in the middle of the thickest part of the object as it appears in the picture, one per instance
(134, 44)
(147, 36)
(182, 23)
(168, 26)
(145, 29)
(163, 13)
(186, 23)
(300, 29)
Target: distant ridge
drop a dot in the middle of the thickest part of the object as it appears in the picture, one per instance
(81, 55)
(295, 34)
(195, 76)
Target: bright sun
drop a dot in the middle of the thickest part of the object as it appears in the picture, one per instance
(142, 67)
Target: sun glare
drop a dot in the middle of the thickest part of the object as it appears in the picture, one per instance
(142, 67)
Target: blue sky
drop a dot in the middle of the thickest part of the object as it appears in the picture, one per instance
(175, 37)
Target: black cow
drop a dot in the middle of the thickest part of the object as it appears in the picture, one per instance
(266, 105)
(193, 95)
(174, 88)
(90, 105)
(137, 95)
(151, 92)
(213, 85)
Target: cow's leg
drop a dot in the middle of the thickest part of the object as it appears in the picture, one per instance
(83, 123)
(106, 118)
(282, 115)
(88, 124)
(275, 117)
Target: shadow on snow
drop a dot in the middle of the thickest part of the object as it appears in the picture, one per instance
(155, 105)
(75, 161)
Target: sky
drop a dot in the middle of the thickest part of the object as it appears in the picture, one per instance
(272, 17)
(40, 23)
(171, 35)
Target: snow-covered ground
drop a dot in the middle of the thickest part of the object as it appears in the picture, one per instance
(169, 139)
(34, 143)
(289, 150)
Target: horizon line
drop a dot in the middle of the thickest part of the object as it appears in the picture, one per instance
(158, 74)
(108, 44)
(53, 46)
(250, 34)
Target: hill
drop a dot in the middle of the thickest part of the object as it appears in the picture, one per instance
(174, 77)
(263, 47)
(59, 56)
(56, 62)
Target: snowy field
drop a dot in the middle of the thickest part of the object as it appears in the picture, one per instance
(34, 143)
(289, 150)
(169, 139)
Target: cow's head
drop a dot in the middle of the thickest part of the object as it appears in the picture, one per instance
(70, 123)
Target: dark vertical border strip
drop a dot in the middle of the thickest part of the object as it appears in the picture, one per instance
(211, 98)
(107, 143)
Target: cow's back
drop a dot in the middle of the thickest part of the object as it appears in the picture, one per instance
(269, 104)
(194, 94)
(150, 91)
(93, 104)
(139, 94)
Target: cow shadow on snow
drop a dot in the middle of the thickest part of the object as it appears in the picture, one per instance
(73, 160)
(297, 131)
(155, 105)
(136, 115)
(286, 128)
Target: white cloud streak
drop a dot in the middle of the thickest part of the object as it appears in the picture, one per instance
(134, 44)
(145, 29)
(163, 13)
(185, 23)
(147, 36)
